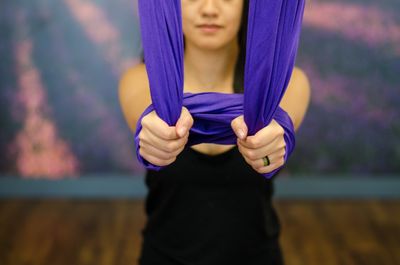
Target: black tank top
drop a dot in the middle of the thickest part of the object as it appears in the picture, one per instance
(211, 209)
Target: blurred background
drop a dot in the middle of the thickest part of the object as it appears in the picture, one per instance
(61, 61)
(60, 120)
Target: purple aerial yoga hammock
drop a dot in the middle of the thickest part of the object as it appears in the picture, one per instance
(273, 33)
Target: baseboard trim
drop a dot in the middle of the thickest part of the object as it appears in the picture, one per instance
(300, 187)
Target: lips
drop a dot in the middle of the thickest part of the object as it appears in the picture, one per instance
(209, 28)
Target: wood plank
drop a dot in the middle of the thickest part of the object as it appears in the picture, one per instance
(78, 231)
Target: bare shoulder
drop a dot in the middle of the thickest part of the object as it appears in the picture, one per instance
(133, 77)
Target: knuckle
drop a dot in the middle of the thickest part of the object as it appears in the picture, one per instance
(177, 152)
(141, 152)
(142, 138)
(253, 142)
(250, 154)
(143, 122)
(172, 160)
(283, 152)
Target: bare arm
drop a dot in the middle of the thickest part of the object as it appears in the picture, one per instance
(134, 94)
(296, 99)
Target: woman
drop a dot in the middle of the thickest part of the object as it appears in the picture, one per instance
(210, 205)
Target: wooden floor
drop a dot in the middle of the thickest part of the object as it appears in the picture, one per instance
(75, 232)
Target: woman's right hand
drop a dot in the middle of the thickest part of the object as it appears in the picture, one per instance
(160, 143)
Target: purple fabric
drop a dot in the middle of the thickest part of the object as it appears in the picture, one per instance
(273, 34)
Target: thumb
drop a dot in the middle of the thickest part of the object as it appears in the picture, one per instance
(184, 122)
(239, 127)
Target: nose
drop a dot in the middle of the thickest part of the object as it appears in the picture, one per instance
(209, 8)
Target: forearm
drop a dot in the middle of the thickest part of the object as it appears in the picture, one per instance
(296, 99)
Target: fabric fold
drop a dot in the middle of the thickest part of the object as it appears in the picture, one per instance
(273, 33)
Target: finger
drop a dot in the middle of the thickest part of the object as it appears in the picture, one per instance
(156, 153)
(271, 167)
(153, 159)
(168, 146)
(264, 136)
(257, 153)
(276, 159)
(258, 140)
(273, 129)
(239, 127)
(259, 163)
(184, 123)
(273, 158)
(157, 126)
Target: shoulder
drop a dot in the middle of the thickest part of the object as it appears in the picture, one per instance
(134, 83)
(135, 76)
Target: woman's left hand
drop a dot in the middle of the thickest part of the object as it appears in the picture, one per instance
(269, 141)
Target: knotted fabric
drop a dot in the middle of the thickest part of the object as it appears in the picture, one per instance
(273, 33)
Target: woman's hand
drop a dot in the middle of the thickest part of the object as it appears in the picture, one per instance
(160, 143)
(269, 141)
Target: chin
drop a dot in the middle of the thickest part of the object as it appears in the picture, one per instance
(209, 44)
